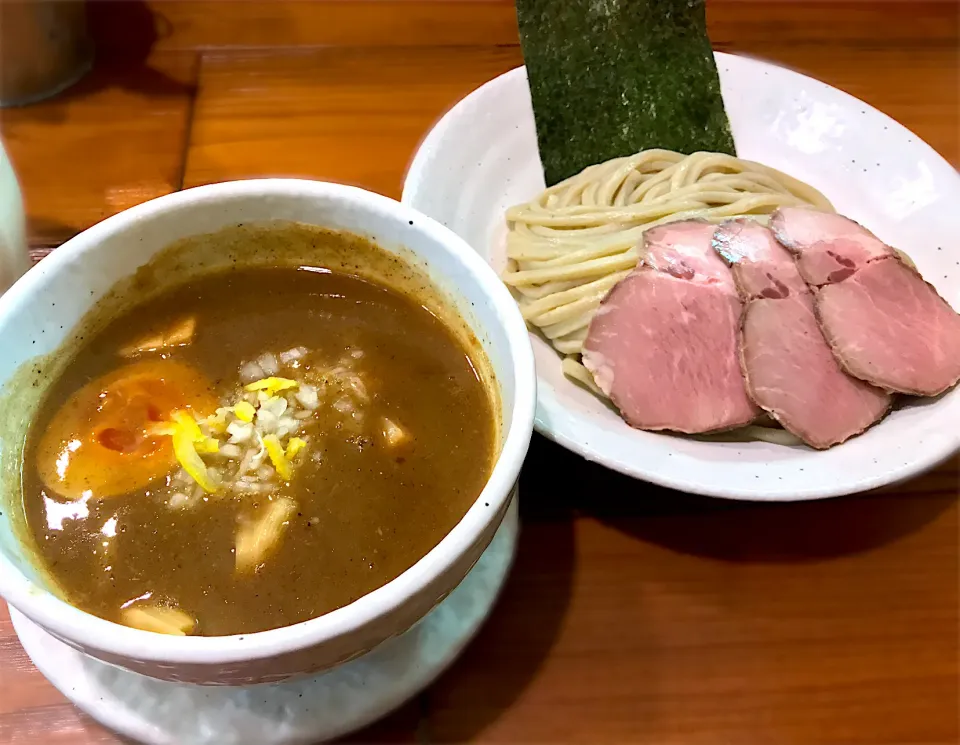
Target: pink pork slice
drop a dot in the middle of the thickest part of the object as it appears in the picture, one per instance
(788, 365)
(884, 323)
(663, 345)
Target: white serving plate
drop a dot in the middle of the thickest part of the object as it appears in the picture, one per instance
(482, 158)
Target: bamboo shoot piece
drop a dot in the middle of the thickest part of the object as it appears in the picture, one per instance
(160, 619)
(393, 434)
(178, 335)
(257, 539)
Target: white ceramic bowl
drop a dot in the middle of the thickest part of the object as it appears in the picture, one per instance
(482, 158)
(36, 316)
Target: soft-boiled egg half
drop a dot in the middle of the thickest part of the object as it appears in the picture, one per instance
(103, 442)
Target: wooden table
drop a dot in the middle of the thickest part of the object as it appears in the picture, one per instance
(633, 614)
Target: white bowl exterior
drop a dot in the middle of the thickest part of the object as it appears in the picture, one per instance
(482, 158)
(14, 259)
(37, 316)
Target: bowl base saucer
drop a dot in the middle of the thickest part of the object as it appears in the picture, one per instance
(302, 710)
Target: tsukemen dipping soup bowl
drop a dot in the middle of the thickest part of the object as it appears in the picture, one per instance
(167, 241)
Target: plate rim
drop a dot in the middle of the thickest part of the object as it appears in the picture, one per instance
(413, 183)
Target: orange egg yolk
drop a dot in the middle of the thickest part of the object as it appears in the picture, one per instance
(100, 443)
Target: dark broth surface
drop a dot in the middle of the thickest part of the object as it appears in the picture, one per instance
(365, 512)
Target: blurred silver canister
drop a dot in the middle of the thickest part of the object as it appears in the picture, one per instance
(44, 48)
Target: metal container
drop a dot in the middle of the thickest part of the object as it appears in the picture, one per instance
(44, 48)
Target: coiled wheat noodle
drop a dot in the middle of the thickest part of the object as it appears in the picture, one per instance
(567, 248)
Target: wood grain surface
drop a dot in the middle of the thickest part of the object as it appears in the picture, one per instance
(114, 140)
(633, 614)
(310, 112)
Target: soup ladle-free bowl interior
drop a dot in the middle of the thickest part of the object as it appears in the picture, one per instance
(37, 318)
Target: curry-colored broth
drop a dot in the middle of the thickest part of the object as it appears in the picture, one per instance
(365, 512)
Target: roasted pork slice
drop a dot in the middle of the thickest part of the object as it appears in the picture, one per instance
(884, 323)
(663, 345)
(890, 327)
(829, 248)
(788, 365)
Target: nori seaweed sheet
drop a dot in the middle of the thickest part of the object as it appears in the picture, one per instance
(613, 77)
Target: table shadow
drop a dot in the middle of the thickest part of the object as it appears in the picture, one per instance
(749, 531)
(498, 665)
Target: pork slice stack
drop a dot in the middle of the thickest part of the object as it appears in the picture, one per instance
(789, 368)
(663, 344)
(884, 323)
